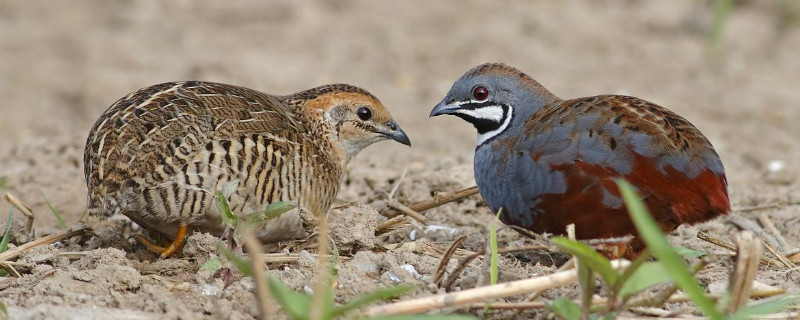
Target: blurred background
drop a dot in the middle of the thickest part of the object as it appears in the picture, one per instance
(62, 63)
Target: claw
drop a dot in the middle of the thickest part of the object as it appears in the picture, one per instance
(165, 252)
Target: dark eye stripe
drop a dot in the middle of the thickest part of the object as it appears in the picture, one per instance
(476, 105)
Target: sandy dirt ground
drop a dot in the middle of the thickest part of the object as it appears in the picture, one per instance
(63, 63)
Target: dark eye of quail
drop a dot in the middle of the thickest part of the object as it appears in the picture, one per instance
(480, 93)
(364, 113)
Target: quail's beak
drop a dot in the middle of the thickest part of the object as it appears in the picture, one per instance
(397, 134)
(444, 108)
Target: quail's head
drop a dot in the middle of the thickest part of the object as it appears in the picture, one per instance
(489, 97)
(357, 118)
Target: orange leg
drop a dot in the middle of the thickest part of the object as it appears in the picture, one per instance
(165, 252)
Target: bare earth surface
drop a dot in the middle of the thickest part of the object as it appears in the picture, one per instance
(63, 63)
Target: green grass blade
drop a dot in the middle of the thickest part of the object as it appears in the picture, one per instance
(244, 266)
(296, 304)
(773, 306)
(722, 9)
(372, 297)
(687, 252)
(647, 275)
(4, 311)
(273, 210)
(566, 309)
(494, 260)
(588, 256)
(7, 235)
(53, 210)
(212, 265)
(588, 285)
(228, 218)
(657, 242)
(3, 182)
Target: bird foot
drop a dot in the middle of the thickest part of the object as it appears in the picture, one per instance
(165, 252)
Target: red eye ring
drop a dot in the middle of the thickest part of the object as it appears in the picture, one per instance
(480, 93)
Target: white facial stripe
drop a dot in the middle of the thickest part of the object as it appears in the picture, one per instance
(493, 113)
(482, 137)
(459, 103)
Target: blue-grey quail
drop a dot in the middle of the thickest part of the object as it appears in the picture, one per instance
(549, 162)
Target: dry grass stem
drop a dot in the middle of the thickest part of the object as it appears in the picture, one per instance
(727, 245)
(397, 184)
(757, 207)
(281, 258)
(53, 238)
(423, 246)
(793, 257)
(391, 226)
(744, 270)
(262, 292)
(747, 224)
(9, 267)
(791, 252)
(485, 293)
(525, 248)
(656, 299)
(446, 258)
(73, 255)
(437, 200)
(318, 299)
(782, 258)
(462, 264)
(21, 207)
(394, 204)
(767, 223)
(571, 231)
(674, 298)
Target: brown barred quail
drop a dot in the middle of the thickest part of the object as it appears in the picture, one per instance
(160, 154)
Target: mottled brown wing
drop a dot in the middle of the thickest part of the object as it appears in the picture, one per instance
(151, 135)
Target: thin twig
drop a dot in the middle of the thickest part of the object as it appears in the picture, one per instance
(466, 297)
(9, 267)
(394, 204)
(393, 224)
(279, 258)
(262, 292)
(525, 248)
(747, 224)
(462, 264)
(24, 209)
(446, 258)
(437, 200)
(782, 258)
(767, 222)
(53, 238)
(397, 184)
(675, 298)
(757, 207)
(727, 245)
(73, 255)
(318, 299)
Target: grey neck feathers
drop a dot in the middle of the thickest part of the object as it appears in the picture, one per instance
(525, 101)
